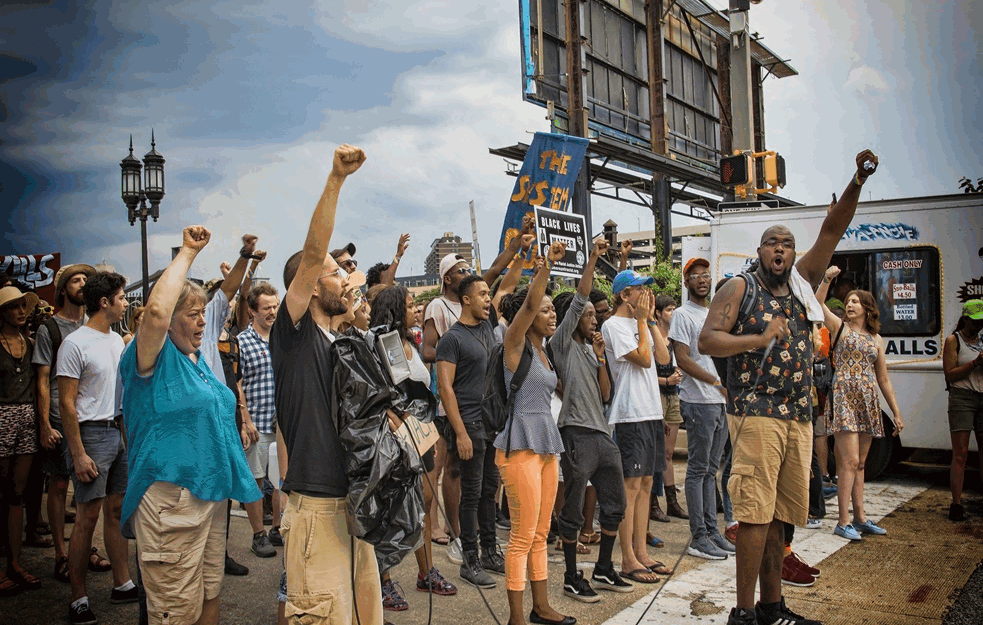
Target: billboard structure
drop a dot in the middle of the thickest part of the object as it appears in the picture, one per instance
(650, 146)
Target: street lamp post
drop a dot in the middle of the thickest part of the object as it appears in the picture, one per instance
(135, 195)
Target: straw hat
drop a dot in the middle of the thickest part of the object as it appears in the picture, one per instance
(10, 294)
(66, 272)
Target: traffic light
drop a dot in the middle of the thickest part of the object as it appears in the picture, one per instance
(736, 170)
(774, 168)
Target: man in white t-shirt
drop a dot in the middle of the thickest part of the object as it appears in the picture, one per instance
(87, 368)
(635, 412)
(702, 400)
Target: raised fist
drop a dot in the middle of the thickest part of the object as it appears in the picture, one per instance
(557, 251)
(196, 237)
(347, 160)
(259, 255)
(626, 247)
(832, 272)
(600, 247)
(248, 244)
(225, 268)
(526, 242)
(863, 169)
(528, 224)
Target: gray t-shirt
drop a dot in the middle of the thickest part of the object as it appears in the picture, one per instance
(216, 312)
(44, 358)
(576, 365)
(468, 347)
(685, 327)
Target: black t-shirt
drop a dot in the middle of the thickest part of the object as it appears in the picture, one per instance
(303, 374)
(468, 347)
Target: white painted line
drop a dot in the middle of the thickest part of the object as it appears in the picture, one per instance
(706, 594)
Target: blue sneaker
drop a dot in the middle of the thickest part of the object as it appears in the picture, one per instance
(869, 527)
(847, 532)
(830, 491)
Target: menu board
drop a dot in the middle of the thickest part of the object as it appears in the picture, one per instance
(906, 287)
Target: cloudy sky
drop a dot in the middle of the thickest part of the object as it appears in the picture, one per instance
(248, 100)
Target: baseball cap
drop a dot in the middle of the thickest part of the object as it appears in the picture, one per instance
(696, 261)
(629, 278)
(447, 263)
(66, 272)
(350, 248)
(973, 309)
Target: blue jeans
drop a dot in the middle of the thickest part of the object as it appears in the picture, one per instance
(706, 433)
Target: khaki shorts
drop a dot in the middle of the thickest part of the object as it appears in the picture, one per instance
(181, 547)
(321, 559)
(769, 477)
(670, 409)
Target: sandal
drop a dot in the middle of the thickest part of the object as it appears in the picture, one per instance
(42, 528)
(97, 563)
(36, 540)
(591, 538)
(582, 549)
(443, 541)
(8, 587)
(61, 569)
(659, 567)
(23, 579)
(642, 576)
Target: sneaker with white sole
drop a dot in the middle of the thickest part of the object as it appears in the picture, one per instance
(813, 524)
(704, 548)
(868, 527)
(576, 587)
(608, 579)
(723, 543)
(455, 552)
(847, 532)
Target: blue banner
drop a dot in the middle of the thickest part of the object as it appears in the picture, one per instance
(546, 179)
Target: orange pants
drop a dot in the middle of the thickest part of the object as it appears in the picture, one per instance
(530, 481)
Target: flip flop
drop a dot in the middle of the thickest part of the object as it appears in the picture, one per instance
(659, 568)
(441, 540)
(642, 576)
(582, 549)
(654, 541)
(98, 566)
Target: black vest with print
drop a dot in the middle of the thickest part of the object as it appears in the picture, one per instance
(785, 388)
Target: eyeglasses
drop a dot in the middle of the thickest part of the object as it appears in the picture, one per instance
(341, 273)
(698, 276)
(464, 271)
(773, 242)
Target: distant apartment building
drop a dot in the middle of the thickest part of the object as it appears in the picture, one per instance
(644, 242)
(450, 243)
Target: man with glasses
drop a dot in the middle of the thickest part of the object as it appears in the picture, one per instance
(345, 258)
(702, 400)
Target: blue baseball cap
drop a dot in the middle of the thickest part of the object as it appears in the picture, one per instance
(629, 278)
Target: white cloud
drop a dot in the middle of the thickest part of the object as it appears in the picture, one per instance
(866, 80)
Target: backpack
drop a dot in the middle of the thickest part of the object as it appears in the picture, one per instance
(497, 401)
(54, 333)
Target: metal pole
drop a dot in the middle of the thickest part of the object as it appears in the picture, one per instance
(143, 244)
(576, 113)
(742, 114)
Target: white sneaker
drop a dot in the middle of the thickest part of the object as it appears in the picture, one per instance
(454, 553)
(813, 524)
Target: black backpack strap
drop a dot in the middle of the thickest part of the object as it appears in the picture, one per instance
(750, 295)
(54, 334)
(836, 340)
(525, 362)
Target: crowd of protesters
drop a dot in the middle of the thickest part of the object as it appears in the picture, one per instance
(543, 410)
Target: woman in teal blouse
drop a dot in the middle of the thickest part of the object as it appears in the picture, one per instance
(184, 454)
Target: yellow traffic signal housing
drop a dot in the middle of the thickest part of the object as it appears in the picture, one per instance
(774, 168)
(737, 170)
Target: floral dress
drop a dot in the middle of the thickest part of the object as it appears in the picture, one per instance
(855, 404)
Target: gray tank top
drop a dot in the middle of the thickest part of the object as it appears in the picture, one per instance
(533, 426)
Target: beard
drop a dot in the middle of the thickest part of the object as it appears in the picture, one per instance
(774, 280)
(332, 305)
(75, 299)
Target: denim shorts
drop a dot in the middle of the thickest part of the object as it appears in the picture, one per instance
(103, 442)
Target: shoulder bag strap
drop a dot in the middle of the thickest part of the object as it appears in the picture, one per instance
(525, 362)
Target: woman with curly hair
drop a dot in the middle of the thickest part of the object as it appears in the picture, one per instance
(853, 412)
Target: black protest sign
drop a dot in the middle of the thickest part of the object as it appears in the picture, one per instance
(567, 228)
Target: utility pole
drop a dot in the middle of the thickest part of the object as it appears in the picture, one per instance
(475, 252)
(576, 111)
(741, 87)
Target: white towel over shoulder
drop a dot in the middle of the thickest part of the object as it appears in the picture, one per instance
(802, 290)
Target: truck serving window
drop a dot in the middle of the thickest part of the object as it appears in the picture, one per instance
(905, 283)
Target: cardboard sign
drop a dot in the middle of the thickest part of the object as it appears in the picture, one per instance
(567, 228)
(546, 179)
(415, 432)
(36, 271)
(906, 312)
(904, 291)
